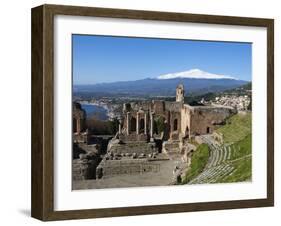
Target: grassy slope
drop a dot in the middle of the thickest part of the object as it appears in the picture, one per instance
(241, 160)
(198, 161)
(237, 132)
(237, 127)
(243, 147)
(243, 171)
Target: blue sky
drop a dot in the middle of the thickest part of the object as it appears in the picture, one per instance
(98, 59)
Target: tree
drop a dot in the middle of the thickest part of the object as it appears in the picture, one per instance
(159, 124)
(113, 126)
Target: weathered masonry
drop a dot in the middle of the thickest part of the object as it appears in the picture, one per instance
(179, 120)
(152, 136)
(80, 133)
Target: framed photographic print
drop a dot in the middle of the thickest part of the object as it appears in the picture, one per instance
(141, 112)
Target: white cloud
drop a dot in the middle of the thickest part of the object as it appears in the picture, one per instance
(194, 73)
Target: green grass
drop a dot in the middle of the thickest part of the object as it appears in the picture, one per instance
(198, 161)
(237, 134)
(237, 127)
(245, 147)
(241, 160)
(193, 142)
(242, 172)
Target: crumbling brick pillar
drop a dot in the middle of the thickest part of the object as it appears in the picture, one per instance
(145, 123)
(119, 127)
(78, 125)
(151, 125)
(79, 117)
(137, 124)
(128, 123)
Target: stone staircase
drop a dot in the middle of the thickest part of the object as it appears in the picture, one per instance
(172, 149)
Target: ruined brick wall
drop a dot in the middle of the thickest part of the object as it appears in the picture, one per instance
(79, 118)
(133, 114)
(204, 120)
(132, 147)
(173, 106)
(140, 105)
(81, 137)
(133, 137)
(175, 125)
(169, 110)
(158, 107)
(85, 161)
(84, 167)
(185, 121)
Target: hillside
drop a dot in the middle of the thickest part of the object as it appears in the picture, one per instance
(236, 128)
(245, 89)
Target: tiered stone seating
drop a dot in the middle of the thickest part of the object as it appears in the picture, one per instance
(218, 165)
(211, 175)
(220, 155)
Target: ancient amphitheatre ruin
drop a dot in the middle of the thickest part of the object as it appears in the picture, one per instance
(139, 155)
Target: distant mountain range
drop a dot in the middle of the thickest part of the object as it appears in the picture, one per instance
(195, 73)
(195, 82)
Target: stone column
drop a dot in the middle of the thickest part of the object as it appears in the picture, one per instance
(145, 121)
(128, 123)
(119, 127)
(151, 126)
(78, 125)
(137, 122)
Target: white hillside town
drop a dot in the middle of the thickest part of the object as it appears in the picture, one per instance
(241, 103)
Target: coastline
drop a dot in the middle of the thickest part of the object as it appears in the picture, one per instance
(104, 106)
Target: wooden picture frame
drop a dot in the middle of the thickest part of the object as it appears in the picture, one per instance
(43, 112)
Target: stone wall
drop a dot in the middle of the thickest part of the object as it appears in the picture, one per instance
(175, 125)
(134, 113)
(110, 168)
(81, 137)
(86, 159)
(133, 137)
(158, 107)
(173, 106)
(204, 119)
(85, 166)
(131, 147)
(185, 121)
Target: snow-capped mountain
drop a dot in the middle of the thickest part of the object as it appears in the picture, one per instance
(195, 82)
(194, 73)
